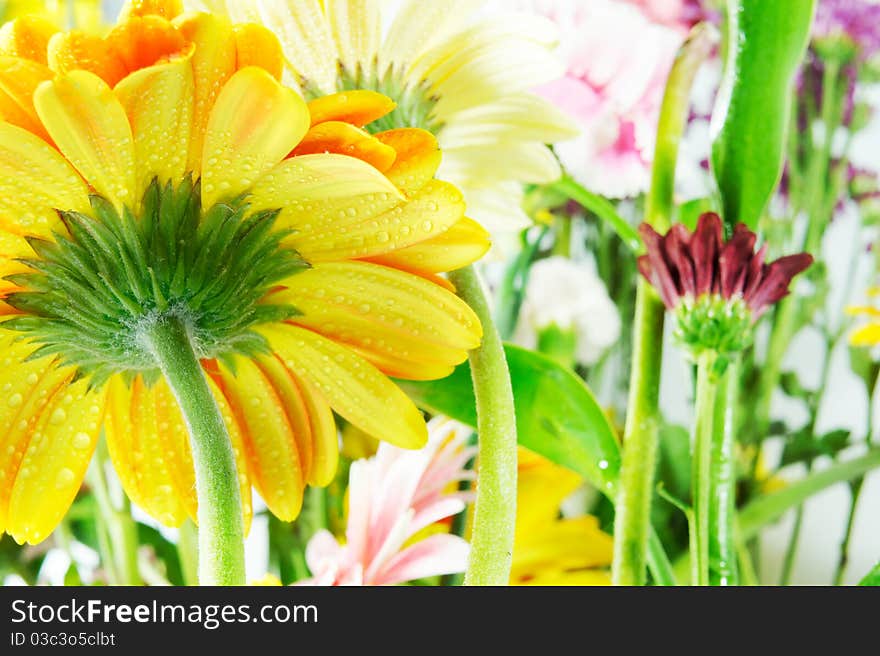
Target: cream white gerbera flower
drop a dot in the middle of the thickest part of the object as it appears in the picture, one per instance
(462, 73)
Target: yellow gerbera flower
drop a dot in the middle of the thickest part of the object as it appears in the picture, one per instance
(463, 76)
(85, 14)
(549, 550)
(163, 175)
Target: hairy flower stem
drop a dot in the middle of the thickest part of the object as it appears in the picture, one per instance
(703, 438)
(495, 505)
(723, 557)
(221, 529)
(632, 522)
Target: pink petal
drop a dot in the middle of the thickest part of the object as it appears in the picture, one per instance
(433, 556)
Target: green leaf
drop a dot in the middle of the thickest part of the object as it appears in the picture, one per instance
(803, 446)
(768, 508)
(692, 210)
(873, 577)
(766, 41)
(557, 415)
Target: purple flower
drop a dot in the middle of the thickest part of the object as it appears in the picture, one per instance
(857, 20)
(683, 267)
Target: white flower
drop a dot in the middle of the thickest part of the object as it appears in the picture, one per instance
(571, 296)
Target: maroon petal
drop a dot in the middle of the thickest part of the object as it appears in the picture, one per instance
(754, 273)
(734, 260)
(654, 268)
(678, 257)
(775, 281)
(704, 249)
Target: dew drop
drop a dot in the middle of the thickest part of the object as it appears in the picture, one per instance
(15, 400)
(64, 478)
(58, 416)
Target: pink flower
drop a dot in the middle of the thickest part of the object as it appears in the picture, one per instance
(393, 496)
(682, 14)
(617, 61)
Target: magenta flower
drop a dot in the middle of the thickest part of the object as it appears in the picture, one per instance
(675, 13)
(393, 497)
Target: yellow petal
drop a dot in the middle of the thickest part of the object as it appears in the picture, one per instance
(419, 26)
(867, 335)
(90, 127)
(34, 181)
(317, 192)
(19, 78)
(346, 139)
(213, 63)
(356, 28)
(464, 243)
(418, 157)
(159, 103)
(382, 310)
(254, 124)
(79, 51)
(146, 41)
(141, 451)
(430, 212)
(257, 46)
(354, 388)
(273, 457)
(26, 37)
(55, 462)
(168, 9)
(325, 441)
(565, 544)
(357, 107)
(306, 39)
(25, 390)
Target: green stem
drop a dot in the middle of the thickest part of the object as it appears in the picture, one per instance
(188, 552)
(722, 480)
(632, 521)
(495, 504)
(791, 551)
(636, 490)
(746, 565)
(701, 466)
(221, 529)
(601, 207)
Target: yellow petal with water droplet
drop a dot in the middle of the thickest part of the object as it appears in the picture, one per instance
(418, 157)
(352, 386)
(464, 243)
(415, 326)
(175, 438)
(26, 37)
(325, 441)
(25, 390)
(273, 457)
(357, 29)
(317, 192)
(168, 9)
(254, 124)
(139, 450)
(34, 181)
(213, 63)
(19, 78)
(56, 461)
(305, 38)
(430, 212)
(89, 125)
(159, 103)
(358, 107)
(255, 45)
(346, 139)
(293, 405)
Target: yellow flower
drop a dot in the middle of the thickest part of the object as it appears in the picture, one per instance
(868, 334)
(163, 173)
(549, 550)
(465, 78)
(84, 14)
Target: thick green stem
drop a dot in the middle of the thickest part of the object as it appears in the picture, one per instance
(221, 529)
(701, 466)
(495, 504)
(188, 552)
(722, 481)
(632, 521)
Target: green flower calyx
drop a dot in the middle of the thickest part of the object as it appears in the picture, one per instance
(95, 291)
